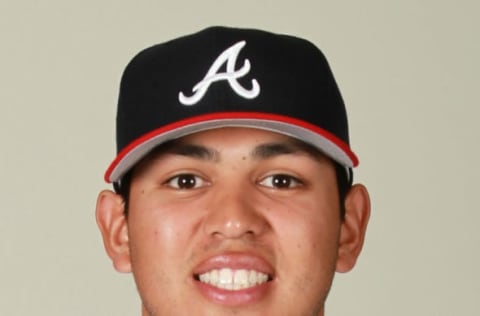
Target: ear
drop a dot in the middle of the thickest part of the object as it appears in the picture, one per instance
(354, 226)
(113, 225)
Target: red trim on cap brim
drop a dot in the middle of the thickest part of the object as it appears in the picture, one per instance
(225, 116)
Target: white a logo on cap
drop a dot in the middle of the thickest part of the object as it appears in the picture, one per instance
(230, 56)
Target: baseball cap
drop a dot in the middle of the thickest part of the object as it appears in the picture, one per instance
(229, 77)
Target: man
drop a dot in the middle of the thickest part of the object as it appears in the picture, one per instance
(233, 183)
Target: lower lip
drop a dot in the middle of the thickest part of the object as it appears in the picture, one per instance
(234, 297)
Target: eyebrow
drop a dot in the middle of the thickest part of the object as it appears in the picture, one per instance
(269, 150)
(194, 151)
(260, 152)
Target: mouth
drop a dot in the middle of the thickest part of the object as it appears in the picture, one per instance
(233, 279)
(234, 273)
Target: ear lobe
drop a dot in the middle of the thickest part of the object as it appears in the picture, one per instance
(113, 226)
(352, 234)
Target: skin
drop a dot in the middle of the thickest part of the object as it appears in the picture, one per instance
(232, 213)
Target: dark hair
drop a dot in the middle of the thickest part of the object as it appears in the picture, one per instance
(122, 188)
(344, 183)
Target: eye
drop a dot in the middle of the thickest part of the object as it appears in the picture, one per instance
(185, 181)
(281, 181)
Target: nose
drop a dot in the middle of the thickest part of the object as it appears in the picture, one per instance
(235, 213)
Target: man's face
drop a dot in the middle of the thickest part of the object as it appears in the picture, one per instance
(234, 221)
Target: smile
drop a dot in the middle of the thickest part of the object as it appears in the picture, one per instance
(233, 279)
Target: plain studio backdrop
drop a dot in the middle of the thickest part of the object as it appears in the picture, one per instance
(408, 71)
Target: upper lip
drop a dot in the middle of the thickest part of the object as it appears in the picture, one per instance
(235, 261)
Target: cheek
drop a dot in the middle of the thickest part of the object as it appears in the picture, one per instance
(307, 235)
(311, 239)
(158, 232)
(308, 230)
(159, 239)
(311, 216)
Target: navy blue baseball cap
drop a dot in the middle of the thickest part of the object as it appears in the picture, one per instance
(229, 77)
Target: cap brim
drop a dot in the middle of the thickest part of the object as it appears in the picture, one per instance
(326, 142)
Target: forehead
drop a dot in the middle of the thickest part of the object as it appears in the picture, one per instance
(257, 142)
(219, 145)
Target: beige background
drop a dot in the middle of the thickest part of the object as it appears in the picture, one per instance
(409, 74)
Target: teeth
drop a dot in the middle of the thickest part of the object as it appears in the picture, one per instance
(229, 279)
